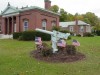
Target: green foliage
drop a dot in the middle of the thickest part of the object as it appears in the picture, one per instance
(63, 16)
(88, 17)
(88, 34)
(30, 35)
(64, 31)
(54, 8)
(93, 19)
(16, 35)
(98, 32)
(46, 51)
(56, 28)
(79, 35)
(71, 50)
(44, 36)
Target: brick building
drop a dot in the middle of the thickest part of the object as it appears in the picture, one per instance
(77, 27)
(14, 19)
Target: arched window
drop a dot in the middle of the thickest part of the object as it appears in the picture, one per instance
(25, 26)
(53, 23)
(44, 23)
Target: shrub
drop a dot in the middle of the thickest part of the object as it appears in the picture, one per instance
(98, 32)
(44, 36)
(20, 38)
(79, 35)
(30, 35)
(69, 37)
(87, 34)
(64, 31)
(16, 35)
(46, 51)
(71, 50)
(56, 28)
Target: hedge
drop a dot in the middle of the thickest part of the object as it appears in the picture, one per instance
(98, 32)
(30, 35)
(88, 34)
(16, 35)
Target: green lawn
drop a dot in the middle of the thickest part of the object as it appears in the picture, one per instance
(15, 59)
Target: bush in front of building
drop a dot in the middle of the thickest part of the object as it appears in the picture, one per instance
(30, 35)
(56, 28)
(44, 36)
(27, 35)
(98, 32)
(16, 35)
(88, 34)
(79, 35)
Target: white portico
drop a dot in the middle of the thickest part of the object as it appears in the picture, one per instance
(9, 18)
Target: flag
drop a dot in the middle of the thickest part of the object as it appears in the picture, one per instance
(75, 43)
(38, 40)
(61, 43)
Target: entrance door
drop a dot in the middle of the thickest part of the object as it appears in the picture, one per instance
(15, 27)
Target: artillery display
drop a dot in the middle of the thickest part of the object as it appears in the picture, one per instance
(55, 36)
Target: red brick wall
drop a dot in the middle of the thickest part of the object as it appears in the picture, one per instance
(35, 18)
(76, 29)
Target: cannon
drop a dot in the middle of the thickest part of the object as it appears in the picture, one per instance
(55, 36)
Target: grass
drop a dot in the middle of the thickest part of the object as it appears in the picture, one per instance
(15, 59)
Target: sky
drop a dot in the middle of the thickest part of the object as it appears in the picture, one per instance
(71, 6)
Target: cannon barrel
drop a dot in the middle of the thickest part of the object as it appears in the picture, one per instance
(44, 31)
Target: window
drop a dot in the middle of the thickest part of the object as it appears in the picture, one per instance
(81, 28)
(71, 28)
(15, 27)
(53, 23)
(25, 25)
(44, 23)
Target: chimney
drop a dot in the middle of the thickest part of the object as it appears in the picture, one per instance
(47, 4)
(76, 21)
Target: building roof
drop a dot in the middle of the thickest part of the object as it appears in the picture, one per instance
(11, 9)
(66, 24)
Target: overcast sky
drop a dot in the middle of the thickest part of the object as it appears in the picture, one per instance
(71, 6)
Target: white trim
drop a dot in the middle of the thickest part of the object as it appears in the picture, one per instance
(11, 14)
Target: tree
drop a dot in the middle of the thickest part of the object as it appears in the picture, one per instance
(86, 20)
(63, 16)
(54, 8)
(91, 17)
(70, 17)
